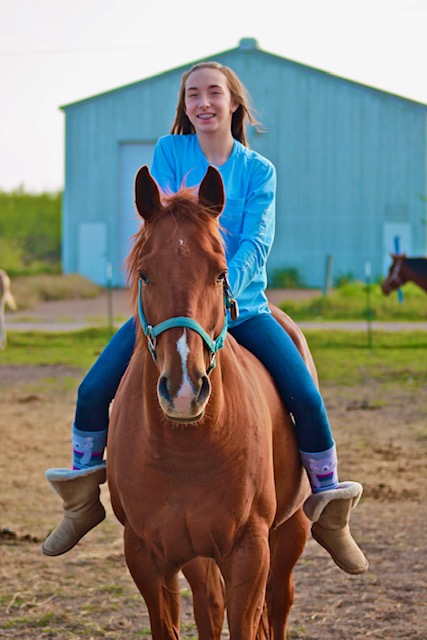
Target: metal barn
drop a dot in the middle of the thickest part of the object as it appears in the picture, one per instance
(351, 163)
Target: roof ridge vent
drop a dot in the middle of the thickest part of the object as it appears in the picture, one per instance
(248, 44)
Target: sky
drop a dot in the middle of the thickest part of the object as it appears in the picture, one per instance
(54, 52)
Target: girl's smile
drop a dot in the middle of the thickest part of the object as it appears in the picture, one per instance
(208, 102)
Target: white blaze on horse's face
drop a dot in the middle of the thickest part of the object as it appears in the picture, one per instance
(188, 403)
(393, 281)
(185, 394)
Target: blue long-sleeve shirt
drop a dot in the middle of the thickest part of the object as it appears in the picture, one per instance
(248, 217)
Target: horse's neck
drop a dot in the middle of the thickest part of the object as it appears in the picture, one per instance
(418, 265)
(415, 270)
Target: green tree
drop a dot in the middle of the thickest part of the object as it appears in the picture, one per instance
(30, 231)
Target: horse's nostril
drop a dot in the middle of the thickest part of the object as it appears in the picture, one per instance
(162, 388)
(204, 391)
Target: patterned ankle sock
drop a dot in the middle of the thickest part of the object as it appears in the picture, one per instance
(88, 448)
(321, 467)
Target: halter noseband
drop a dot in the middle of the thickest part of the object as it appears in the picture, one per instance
(182, 321)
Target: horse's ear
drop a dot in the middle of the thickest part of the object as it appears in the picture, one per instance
(147, 195)
(211, 192)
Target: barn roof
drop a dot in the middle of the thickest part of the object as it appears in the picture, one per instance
(246, 45)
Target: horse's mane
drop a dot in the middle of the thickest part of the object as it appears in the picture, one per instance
(178, 207)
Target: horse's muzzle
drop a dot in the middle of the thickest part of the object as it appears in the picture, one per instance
(187, 404)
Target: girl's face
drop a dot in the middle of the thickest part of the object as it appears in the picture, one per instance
(208, 102)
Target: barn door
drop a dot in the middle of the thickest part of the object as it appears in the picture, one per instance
(132, 157)
(92, 256)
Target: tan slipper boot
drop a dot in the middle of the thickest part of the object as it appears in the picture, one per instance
(83, 510)
(330, 513)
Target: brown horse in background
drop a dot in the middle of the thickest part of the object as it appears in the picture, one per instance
(403, 270)
(6, 298)
(203, 465)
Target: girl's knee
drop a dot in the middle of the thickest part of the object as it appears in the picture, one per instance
(90, 392)
(309, 401)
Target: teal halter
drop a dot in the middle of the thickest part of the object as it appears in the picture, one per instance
(182, 321)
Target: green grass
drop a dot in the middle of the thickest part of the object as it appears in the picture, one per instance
(341, 357)
(345, 358)
(75, 349)
(351, 302)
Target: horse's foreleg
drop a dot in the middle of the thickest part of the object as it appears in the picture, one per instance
(245, 570)
(286, 544)
(207, 586)
(161, 592)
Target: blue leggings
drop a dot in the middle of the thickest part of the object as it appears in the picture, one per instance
(262, 335)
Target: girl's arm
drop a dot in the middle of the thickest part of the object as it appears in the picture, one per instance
(258, 229)
(257, 233)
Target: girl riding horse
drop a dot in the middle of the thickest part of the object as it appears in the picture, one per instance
(207, 474)
(210, 129)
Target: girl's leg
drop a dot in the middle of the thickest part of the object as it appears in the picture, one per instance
(331, 502)
(79, 489)
(95, 395)
(266, 339)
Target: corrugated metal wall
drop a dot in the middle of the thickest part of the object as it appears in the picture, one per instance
(351, 163)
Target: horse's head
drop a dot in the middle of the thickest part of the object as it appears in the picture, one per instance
(395, 277)
(177, 270)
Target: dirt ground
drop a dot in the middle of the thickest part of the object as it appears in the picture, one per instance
(99, 311)
(382, 441)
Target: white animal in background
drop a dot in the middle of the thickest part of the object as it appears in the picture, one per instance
(6, 298)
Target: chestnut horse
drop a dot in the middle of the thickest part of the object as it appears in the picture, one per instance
(203, 465)
(403, 270)
(6, 298)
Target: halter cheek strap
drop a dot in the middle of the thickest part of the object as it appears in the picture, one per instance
(182, 321)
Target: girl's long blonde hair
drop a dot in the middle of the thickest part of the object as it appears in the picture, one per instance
(241, 117)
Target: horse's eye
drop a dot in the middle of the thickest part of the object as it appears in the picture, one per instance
(143, 277)
(221, 277)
